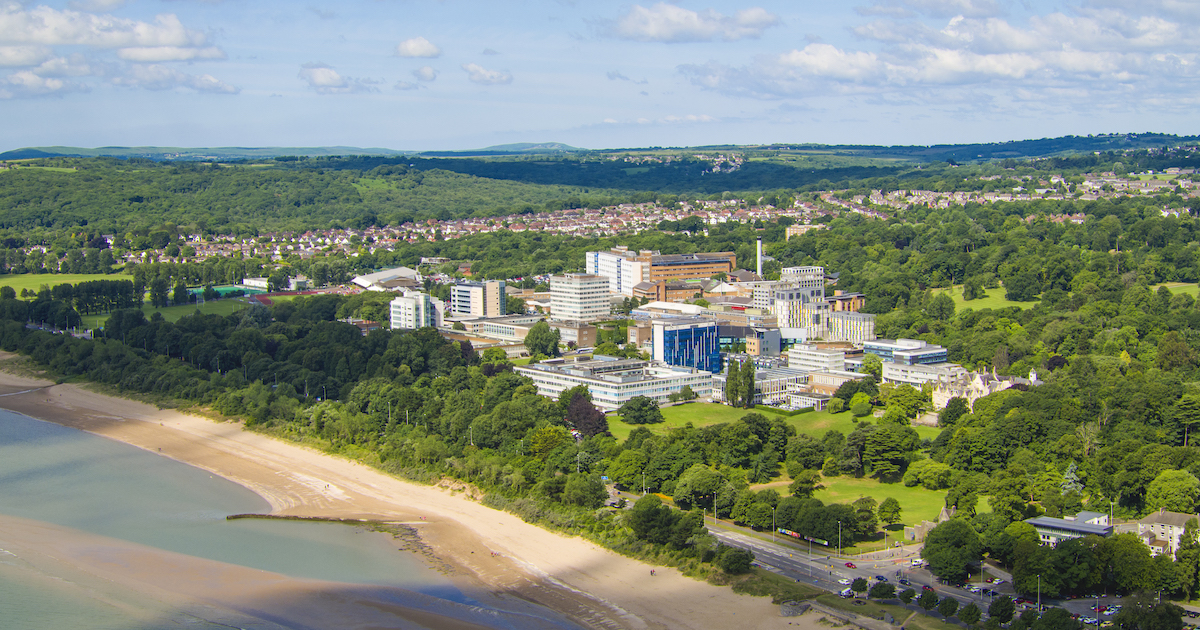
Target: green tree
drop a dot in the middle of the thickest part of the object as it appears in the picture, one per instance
(889, 511)
(585, 490)
(873, 365)
(1173, 490)
(941, 308)
(949, 605)
(1002, 609)
(735, 561)
(970, 614)
(747, 386)
(541, 339)
(733, 383)
(950, 549)
(907, 595)
(1056, 619)
(1145, 614)
(805, 484)
(1187, 413)
(956, 408)
(881, 590)
(864, 513)
(928, 600)
(859, 585)
(640, 410)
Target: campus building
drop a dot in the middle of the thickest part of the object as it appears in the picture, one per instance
(415, 310)
(624, 268)
(478, 299)
(1162, 530)
(614, 382)
(906, 351)
(857, 328)
(1052, 531)
(687, 341)
(582, 297)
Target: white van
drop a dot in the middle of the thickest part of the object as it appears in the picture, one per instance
(846, 593)
(917, 562)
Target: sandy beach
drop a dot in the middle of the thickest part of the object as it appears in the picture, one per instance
(490, 553)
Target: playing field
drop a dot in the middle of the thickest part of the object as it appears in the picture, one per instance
(1178, 288)
(175, 313)
(35, 281)
(994, 300)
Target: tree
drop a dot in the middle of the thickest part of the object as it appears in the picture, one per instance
(585, 490)
(907, 595)
(806, 483)
(950, 548)
(882, 590)
(735, 561)
(585, 417)
(889, 511)
(970, 614)
(928, 600)
(640, 410)
(1002, 609)
(733, 383)
(941, 308)
(1173, 490)
(747, 385)
(859, 585)
(949, 605)
(956, 408)
(541, 339)
(1144, 614)
(872, 365)
(864, 514)
(1187, 413)
(158, 292)
(1057, 619)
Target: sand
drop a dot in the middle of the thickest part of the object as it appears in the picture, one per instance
(489, 551)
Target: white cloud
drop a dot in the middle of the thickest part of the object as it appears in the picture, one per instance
(425, 73)
(325, 80)
(96, 5)
(405, 85)
(823, 60)
(156, 77)
(672, 24)
(26, 84)
(22, 56)
(51, 27)
(417, 47)
(935, 8)
(151, 54)
(479, 74)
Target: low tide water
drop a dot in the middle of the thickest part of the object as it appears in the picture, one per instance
(74, 479)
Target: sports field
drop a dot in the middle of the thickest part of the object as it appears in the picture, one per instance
(175, 313)
(35, 281)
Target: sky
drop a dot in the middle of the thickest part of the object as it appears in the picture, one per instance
(467, 74)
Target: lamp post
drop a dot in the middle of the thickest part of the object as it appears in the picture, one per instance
(839, 537)
(772, 525)
(1039, 594)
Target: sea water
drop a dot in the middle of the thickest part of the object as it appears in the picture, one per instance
(70, 478)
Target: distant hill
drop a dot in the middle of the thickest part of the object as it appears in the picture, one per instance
(166, 154)
(520, 148)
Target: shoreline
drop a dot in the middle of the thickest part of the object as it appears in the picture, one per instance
(491, 553)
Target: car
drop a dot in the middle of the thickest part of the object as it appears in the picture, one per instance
(905, 581)
(1193, 614)
(880, 578)
(916, 562)
(1108, 613)
(844, 581)
(851, 565)
(1089, 621)
(997, 581)
(926, 587)
(989, 592)
(846, 593)
(1099, 608)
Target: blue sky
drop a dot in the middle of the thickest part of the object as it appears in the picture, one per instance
(458, 74)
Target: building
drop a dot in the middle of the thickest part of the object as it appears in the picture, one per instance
(1052, 531)
(771, 386)
(614, 382)
(514, 328)
(478, 299)
(1162, 530)
(415, 310)
(669, 290)
(921, 373)
(582, 297)
(763, 342)
(815, 359)
(393, 279)
(829, 381)
(971, 386)
(624, 268)
(799, 229)
(691, 342)
(857, 328)
(906, 351)
(842, 301)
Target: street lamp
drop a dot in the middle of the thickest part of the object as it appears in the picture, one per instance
(772, 525)
(1039, 594)
(839, 537)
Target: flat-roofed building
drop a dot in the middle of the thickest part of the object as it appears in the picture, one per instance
(625, 268)
(614, 382)
(857, 328)
(478, 299)
(691, 342)
(771, 386)
(1052, 531)
(919, 374)
(415, 310)
(906, 351)
(828, 381)
(815, 359)
(582, 297)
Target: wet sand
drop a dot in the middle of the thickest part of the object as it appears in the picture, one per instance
(492, 556)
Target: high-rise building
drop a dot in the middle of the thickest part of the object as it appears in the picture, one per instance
(688, 342)
(857, 328)
(579, 297)
(478, 299)
(414, 310)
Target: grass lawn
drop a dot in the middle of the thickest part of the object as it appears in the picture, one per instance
(1179, 288)
(34, 281)
(916, 504)
(174, 313)
(994, 300)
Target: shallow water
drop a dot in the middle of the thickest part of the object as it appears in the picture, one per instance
(70, 478)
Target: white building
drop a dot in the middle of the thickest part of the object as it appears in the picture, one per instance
(580, 297)
(614, 382)
(415, 310)
(1052, 531)
(812, 358)
(478, 299)
(389, 279)
(919, 374)
(622, 272)
(857, 328)
(1162, 530)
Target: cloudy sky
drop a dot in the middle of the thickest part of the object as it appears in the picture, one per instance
(462, 74)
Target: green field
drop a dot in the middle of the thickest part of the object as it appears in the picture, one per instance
(1179, 288)
(34, 281)
(703, 414)
(174, 313)
(994, 300)
(917, 504)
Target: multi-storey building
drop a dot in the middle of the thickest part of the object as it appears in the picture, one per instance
(580, 297)
(613, 382)
(478, 299)
(857, 328)
(624, 268)
(687, 341)
(415, 310)
(906, 351)
(810, 357)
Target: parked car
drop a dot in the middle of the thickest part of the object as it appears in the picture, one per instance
(880, 578)
(997, 581)
(905, 581)
(844, 581)
(916, 562)
(851, 565)
(846, 593)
